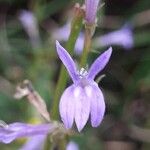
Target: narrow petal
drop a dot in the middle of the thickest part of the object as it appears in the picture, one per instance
(82, 107)
(67, 107)
(34, 143)
(17, 130)
(67, 61)
(99, 64)
(97, 106)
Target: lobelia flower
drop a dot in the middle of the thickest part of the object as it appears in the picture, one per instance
(122, 37)
(91, 7)
(10, 132)
(83, 97)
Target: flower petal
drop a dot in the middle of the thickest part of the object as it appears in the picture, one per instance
(67, 61)
(62, 33)
(17, 130)
(82, 107)
(67, 107)
(30, 24)
(97, 106)
(79, 44)
(99, 64)
(122, 37)
(34, 143)
(72, 146)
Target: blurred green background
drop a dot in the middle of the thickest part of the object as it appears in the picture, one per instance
(126, 86)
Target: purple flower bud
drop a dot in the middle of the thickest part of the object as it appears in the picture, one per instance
(122, 37)
(72, 146)
(91, 7)
(83, 97)
(8, 133)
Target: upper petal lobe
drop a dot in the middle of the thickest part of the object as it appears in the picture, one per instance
(67, 61)
(99, 64)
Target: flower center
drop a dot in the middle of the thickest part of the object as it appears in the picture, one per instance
(82, 73)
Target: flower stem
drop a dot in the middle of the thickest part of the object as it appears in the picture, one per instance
(89, 31)
(87, 45)
(47, 144)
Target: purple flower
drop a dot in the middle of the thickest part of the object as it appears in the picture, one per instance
(72, 146)
(122, 37)
(83, 97)
(79, 44)
(30, 24)
(62, 33)
(91, 7)
(34, 143)
(10, 132)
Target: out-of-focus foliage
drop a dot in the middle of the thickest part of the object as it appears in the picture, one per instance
(126, 85)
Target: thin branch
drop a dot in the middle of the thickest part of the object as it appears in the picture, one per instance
(33, 97)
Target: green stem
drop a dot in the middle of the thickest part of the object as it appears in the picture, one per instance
(87, 46)
(47, 144)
